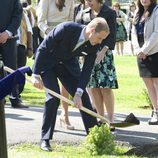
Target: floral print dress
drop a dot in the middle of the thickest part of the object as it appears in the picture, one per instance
(104, 75)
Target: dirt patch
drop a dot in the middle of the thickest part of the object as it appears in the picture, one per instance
(149, 150)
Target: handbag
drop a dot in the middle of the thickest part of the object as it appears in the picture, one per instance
(121, 33)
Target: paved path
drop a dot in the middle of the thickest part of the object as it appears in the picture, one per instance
(23, 125)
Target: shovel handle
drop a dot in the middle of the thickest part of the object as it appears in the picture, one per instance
(103, 119)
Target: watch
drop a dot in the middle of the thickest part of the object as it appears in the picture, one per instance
(106, 47)
(78, 93)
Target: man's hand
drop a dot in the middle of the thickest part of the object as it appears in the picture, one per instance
(4, 37)
(77, 101)
(29, 53)
(37, 82)
(141, 55)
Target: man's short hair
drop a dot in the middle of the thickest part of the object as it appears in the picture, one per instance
(99, 24)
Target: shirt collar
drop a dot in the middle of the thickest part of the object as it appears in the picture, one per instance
(82, 38)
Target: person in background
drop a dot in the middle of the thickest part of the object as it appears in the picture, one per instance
(24, 45)
(78, 11)
(121, 33)
(103, 78)
(50, 13)
(145, 43)
(56, 58)
(132, 8)
(36, 39)
(29, 13)
(10, 17)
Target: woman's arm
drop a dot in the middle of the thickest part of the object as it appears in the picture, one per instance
(153, 40)
(42, 13)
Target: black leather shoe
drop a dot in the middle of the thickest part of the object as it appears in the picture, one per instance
(45, 145)
(112, 128)
(18, 105)
(100, 123)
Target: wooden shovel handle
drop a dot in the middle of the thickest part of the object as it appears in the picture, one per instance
(103, 119)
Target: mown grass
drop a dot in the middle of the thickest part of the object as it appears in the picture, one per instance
(129, 96)
(60, 151)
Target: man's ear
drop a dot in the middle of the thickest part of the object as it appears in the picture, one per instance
(92, 30)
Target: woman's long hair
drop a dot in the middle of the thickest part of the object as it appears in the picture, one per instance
(140, 10)
(60, 4)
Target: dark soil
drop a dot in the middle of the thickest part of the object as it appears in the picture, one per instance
(149, 150)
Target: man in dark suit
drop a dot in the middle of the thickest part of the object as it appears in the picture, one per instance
(56, 58)
(10, 19)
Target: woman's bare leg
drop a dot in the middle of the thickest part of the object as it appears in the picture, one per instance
(108, 97)
(64, 117)
(121, 46)
(98, 100)
(152, 87)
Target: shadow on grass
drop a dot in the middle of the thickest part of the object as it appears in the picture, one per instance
(135, 138)
(18, 117)
(147, 150)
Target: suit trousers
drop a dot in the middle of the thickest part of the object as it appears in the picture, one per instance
(69, 78)
(9, 57)
(35, 39)
(21, 61)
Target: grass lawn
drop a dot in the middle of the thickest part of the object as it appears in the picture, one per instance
(59, 151)
(129, 97)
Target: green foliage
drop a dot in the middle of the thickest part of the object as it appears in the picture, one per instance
(100, 141)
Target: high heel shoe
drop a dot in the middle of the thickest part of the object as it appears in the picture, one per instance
(65, 124)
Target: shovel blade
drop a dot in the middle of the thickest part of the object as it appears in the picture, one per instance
(130, 120)
(122, 124)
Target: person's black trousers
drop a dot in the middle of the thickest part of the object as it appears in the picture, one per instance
(21, 61)
(35, 36)
(9, 57)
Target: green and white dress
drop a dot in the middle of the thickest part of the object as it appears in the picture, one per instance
(104, 74)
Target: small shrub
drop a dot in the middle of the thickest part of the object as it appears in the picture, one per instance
(100, 141)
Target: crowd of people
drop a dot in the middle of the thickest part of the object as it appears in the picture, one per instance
(73, 44)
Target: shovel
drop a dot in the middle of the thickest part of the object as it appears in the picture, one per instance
(129, 121)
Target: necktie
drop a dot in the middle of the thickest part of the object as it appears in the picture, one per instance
(79, 43)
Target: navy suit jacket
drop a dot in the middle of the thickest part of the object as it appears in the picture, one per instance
(10, 15)
(58, 46)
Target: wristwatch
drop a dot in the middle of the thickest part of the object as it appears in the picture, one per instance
(106, 47)
(78, 93)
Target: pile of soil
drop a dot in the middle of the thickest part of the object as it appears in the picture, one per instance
(148, 150)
